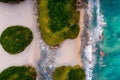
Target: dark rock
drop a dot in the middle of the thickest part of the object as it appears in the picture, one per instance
(12, 1)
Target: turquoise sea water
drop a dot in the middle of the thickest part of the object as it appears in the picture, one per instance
(108, 67)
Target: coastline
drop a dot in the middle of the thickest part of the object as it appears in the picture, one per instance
(81, 24)
(91, 37)
(82, 37)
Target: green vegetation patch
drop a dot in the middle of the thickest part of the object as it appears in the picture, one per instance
(69, 73)
(15, 39)
(58, 20)
(11, 1)
(18, 73)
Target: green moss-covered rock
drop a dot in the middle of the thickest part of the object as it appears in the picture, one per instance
(69, 73)
(18, 73)
(15, 39)
(11, 1)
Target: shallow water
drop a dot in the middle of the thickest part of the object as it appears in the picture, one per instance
(107, 67)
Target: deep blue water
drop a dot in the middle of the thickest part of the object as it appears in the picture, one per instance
(110, 45)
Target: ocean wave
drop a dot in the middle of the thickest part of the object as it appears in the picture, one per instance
(89, 57)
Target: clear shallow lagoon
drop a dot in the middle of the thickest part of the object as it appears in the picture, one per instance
(108, 67)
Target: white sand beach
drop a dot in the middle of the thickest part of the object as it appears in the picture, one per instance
(69, 53)
(19, 14)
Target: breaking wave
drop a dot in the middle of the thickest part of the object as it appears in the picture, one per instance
(95, 30)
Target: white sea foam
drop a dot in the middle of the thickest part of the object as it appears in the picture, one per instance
(90, 10)
(89, 57)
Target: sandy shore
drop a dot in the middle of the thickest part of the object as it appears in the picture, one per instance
(20, 14)
(81, 29)
(69, 52)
